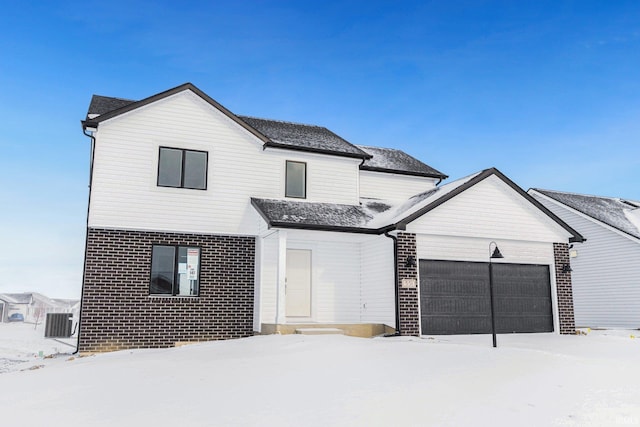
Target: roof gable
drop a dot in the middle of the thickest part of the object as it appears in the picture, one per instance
(391, 160)
(125, 108)
(486, 206)
(623, 215)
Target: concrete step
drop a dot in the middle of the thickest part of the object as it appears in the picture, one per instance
(319, 331)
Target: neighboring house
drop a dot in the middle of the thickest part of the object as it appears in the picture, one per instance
(207, 225)
(34, 306)
(606, 268)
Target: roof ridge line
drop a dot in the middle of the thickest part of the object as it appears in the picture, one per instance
(116, 97)
(288, 122)
(577, 194)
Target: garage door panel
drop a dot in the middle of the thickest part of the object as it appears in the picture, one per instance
(522, 324)
(441, 325)
(454, 297)
(451, 287)
(515, 305)
(437, 305)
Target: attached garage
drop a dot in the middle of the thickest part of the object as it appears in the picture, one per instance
(454, 297)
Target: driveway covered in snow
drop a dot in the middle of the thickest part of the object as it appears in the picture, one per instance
(530, 379)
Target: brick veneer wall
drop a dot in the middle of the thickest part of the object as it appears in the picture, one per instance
(564, 289)
(118, 313)
(409, 301)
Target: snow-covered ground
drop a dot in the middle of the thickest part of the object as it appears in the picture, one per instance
(294, 380)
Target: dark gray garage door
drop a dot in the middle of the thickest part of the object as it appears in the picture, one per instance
(454, 297)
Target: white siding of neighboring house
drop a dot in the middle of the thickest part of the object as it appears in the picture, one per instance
(125, 194)
(606, 272)
(390, 186)
(377, 280)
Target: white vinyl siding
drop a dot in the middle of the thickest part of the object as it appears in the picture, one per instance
(606, 273)
(449, 248)
(125, 193)
(335, 282)
(377, 277)
(268, 279)
(490, 209)
(352, 277)
(389, 186)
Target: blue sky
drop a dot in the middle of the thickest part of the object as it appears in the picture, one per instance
(547, 92)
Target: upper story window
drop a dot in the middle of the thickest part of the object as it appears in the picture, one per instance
(182, 168)
(175, 270)
(296, 180)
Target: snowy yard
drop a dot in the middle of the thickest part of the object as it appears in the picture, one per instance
(529, 380)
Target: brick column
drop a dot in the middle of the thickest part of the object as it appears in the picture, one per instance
(408, 296)
(564, 289)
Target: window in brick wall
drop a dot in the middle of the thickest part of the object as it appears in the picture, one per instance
(296, 180)
(182, 168)
(175, 270)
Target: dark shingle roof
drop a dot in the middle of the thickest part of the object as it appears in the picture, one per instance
(320, 216)
(396, 161)
(297, 136)
(614, 212)
(104, 104)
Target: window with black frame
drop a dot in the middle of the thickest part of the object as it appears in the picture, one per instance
(175, 270)
(181, 168)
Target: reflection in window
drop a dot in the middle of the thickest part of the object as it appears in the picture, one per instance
(296, 180)
(175, 270)
(182, 168)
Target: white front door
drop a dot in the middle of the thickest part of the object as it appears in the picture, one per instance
(298, 283)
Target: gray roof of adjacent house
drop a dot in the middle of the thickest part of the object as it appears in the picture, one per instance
(396, 161)
(623, 215)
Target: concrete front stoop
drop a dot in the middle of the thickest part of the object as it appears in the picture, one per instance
(319, 331)
(363, 330)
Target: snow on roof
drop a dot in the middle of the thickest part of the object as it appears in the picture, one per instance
(396, 161)
(321, 215)
(371, 215)
(421, 201)
(620, 214)
(298, 135)
(22, 298)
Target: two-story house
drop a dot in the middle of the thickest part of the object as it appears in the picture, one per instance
(203, 224)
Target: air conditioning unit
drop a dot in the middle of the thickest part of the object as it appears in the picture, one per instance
(58, 325)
